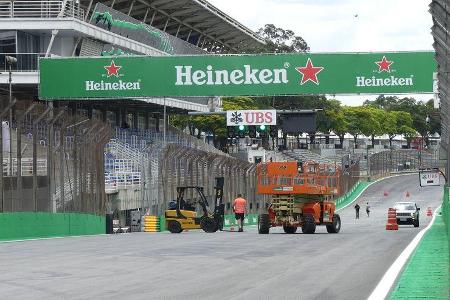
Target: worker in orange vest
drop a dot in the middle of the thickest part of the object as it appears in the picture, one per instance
(240, 209)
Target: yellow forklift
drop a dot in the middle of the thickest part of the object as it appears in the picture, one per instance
(182, 213)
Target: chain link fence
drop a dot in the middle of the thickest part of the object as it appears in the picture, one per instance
(60, 158)
(386, 162)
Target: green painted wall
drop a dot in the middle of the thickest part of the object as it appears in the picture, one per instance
(351, 195)
(446, 213)
(27, 225)
(230, 220)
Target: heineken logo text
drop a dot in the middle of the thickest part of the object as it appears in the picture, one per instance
(388, 81)
(112, 86)
(249, 75)
(112, 70)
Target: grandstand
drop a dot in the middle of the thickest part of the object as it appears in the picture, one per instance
(134, 146)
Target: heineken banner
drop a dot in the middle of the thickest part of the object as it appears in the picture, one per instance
(234, 75)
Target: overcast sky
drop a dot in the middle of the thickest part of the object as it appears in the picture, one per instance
(342, 25)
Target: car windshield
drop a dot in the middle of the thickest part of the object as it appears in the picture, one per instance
(405, 206)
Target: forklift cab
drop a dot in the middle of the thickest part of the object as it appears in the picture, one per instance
(192, 213)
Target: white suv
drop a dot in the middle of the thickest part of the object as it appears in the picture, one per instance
(407, 213)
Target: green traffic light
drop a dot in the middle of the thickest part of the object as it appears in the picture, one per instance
(262, 127)
(241, 127)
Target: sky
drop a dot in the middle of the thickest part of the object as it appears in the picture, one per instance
(343, 25)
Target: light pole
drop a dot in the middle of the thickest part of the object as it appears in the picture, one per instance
(10, 60)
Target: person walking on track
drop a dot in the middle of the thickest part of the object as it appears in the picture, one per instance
(368, 209)
(240, 209)
(357, 207)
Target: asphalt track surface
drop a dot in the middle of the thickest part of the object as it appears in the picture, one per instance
(224, 265)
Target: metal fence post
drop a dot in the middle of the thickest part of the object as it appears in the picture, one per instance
(2, 115)
(35, 133)
(61, 167)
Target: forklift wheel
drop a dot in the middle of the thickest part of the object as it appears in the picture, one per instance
(174, 227)
(208, 225)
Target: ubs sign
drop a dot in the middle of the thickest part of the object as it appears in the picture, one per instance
(251, 117)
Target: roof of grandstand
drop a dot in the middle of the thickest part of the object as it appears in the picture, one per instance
(196, 21)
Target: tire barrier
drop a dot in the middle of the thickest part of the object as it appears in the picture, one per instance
(152, 224)
(392, 220)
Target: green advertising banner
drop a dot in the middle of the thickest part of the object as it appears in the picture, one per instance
(236, 75)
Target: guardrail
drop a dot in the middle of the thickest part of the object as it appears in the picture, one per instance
(40, 9)
(26, 167)
(123, 180)
(26, 62)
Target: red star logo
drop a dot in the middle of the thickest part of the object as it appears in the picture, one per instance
(309, 72)
(113, 69)
(384, 65)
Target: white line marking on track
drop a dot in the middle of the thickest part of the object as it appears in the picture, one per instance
(378, 180)
(385, 284)
(51, 238)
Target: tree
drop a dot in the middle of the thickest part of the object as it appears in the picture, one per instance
(405, 126)
(363, 120)
(373, 119)
(408, 133)
(417, 109)
(325, 118)
(339, 124)
(389, 125)
(279, 40)
(382, 102)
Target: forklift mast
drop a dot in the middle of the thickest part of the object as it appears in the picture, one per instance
(219, 207)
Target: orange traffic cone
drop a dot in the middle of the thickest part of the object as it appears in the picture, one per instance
(429, 212)
(407, 194)
(386, 193)
(392, 220)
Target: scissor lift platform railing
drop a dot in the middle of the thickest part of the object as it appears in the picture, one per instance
(284, 178)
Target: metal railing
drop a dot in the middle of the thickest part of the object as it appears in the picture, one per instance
(26, 62)
(40, 9)
(122, 180)
(26, 167)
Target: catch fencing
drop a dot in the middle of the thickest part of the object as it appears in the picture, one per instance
(60, 155)
(190, 162)
(386, 162)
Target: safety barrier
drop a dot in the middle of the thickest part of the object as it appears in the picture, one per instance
(392, 220)
(446, 212)
(350, 196)
(28, 225)
(152, 224)
(230, 220)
